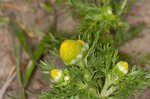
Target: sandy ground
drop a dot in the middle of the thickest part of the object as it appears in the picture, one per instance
(140, 13)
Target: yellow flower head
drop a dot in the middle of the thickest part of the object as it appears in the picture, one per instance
(71, 51)
(56, 74)
(123, 66)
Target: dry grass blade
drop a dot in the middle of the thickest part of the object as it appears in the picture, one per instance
(11, 72)
(6, 85)
(13, 6)
(28, 32)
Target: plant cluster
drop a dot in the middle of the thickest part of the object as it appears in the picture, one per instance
(93, 69)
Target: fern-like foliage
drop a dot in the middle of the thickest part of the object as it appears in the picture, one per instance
(103, 29)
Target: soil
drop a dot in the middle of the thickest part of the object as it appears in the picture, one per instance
(37, 19)
(140, 13)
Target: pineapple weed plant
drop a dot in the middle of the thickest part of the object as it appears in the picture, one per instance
(93, 69)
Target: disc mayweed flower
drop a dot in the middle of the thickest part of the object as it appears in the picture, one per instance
(56, 75)
(121, 67)
(71, 51)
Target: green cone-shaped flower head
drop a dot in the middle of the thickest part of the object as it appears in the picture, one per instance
(56, 75)
(121, 68)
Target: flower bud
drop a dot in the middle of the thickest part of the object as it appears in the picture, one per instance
(107, 10)
(56, 75)
(121, 68)
(65, 81)
(66, 78)
(71, 51)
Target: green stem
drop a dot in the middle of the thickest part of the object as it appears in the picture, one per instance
(28, 72)
(21, 36)
(23, 94)
(36, 56)
(107, 84)
(93, 45)
(107, 90)
(110, 91)
(104, 90)
(17, 54)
